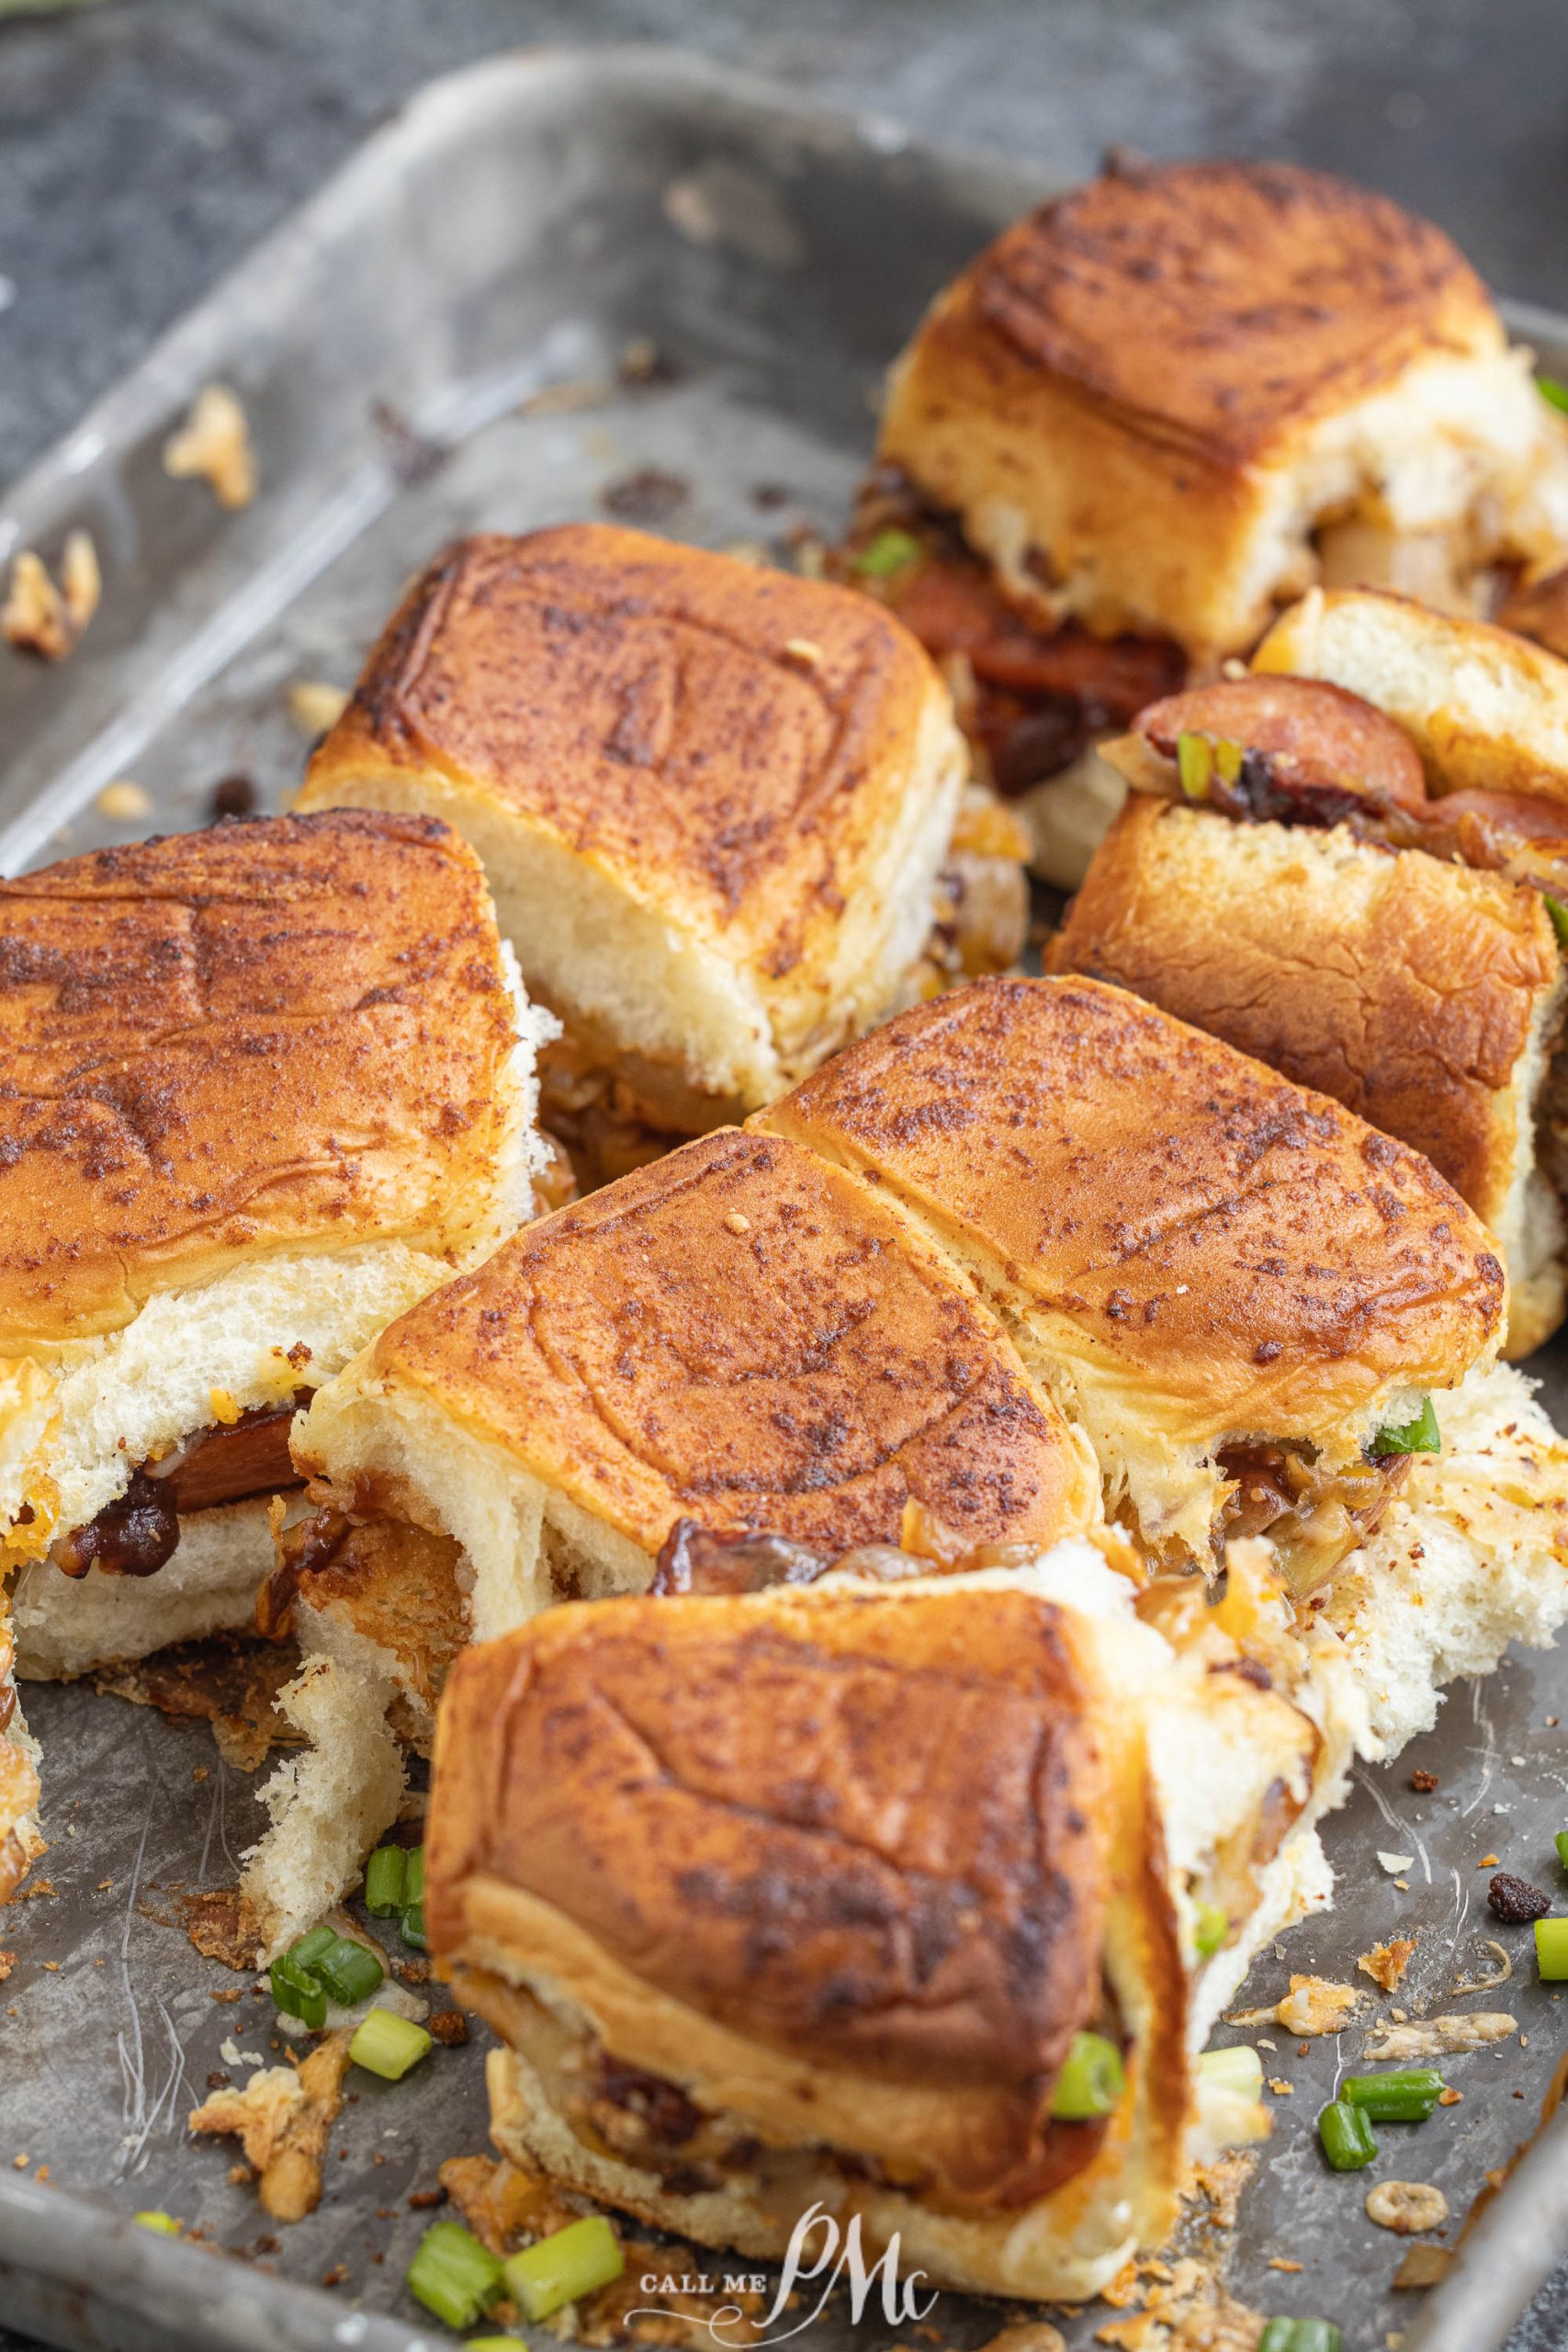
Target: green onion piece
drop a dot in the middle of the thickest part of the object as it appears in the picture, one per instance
(1552, 1949)
(1194, 764)
(1550, 389)
(890, 551)
(165, 2223)
(1419, 1436)
(384, 1877)
(1238, 2069)
(1300, 2336)
(414, 1927)
(494, 2343)
(1407, 2097)
(452, 2274)
(1228, 759)
(388, 2045)
(568, 2263)
(1562, 1844)
(305, 1951)
(1346, 2136)
(296, 1995)
(1558, 913)
(1091, 2079)
(350, 1973)
(1209, 1929)
(413, 1875)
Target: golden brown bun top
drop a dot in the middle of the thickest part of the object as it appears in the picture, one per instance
(731, 734)
(1222, 1238)
(266, 1035)
(1217, 305)
(744, 1335)
(867, 1829)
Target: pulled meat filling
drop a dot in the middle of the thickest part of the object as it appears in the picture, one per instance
(1312, 1516)
(139, 1530)
(1042, 690)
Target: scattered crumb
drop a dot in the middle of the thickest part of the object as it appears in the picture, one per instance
(214, 445)
(1488, 1862)
(1440, 2037)
(1386, 1963)
(1394, 1863)
(1027, 2335)
(449, 2026)
(7, 1962)
(1406, 2206)
(336, 2276)
(1280, 2262)
(52, 1966)
(1314, 2005)
(1424, 2266)
(39, 1886)
(104, 1884)
(37, 617)
(649, 495)
(1515, 1901)
(1280, 2089)
(229, 1994)
(233, 795)
(123, 802)
(282, 2119)
(21, 2161)
(1449, 2097)
(1423, 1782)
(239, 2175)
(314, 707)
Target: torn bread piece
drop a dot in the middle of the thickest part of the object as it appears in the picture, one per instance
(726, 1995)
(1272, 1320)
(1359, 873)
(740, 1334)
(1162, 406)
(266, 1086)
(716, 805)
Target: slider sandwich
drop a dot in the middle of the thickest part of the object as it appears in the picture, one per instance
(1270, 1320)
(1354, 865)
(722, 811)
(1161, 407)
(740, 1335)
(910, 1901)
(263, 1087)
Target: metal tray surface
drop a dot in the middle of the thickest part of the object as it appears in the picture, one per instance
(510, 232)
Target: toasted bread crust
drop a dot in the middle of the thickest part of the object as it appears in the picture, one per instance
(1249, 1254)
(267, 1035)
(1413, 1008)
(728, 740)
(743, 1335)
(1216, 307)
(724, 1796)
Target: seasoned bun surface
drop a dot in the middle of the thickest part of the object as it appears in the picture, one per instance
(260, 1036)
(1406, 987)
(728, 740)
(745, 1335)
(724, 1796)
(1487, 710)
(1217, 306)
(1237, 1253)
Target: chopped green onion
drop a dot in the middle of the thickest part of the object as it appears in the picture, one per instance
(1229, 759)
(1238, 2069)
(1194, 764)
(308, 1949)
(494, 2343)
(388, 2045)
(1419, 1436)
(413, 1875)
(165, 2223)
(1561, 1843)
(1407, 2097)
(1346, 2135)
(1550, 389)
(296, 1994)
(1552, 1949)
(1091, 2079)
(1209, 1929)
(1558, 913)
(413, 1927)
(1300, 2336)
(349, 1971)
(890, 551)
(568, 2263)
(384, 1878)
(453, 2275)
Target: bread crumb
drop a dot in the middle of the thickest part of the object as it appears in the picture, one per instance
(1406, 2206)
(1386, 1963)
(37, 617)
(282, 2119)
(123, 802)
(1488, 1863)
(1314, 2005)
(316, 708)
(1281, 2262)
(1280, 2089)
(214, 445)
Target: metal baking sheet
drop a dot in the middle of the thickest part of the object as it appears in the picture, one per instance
(434, 345)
